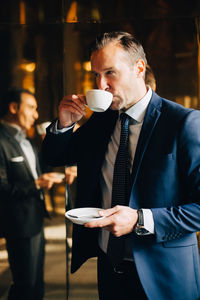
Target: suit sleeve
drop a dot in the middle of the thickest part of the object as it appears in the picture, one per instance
(176, 221)
(60, 149)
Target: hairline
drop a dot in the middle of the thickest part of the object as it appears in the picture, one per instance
(125, 41)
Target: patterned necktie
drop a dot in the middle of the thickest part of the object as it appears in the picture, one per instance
(120, 190)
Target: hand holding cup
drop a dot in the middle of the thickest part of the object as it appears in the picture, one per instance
(72, 107)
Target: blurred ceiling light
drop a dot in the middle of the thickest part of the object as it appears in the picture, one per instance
(22, 10)
(87, 66)
(72, 13)
(29, 67)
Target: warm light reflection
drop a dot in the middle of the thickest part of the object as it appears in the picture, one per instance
(29, 67)
(22, 11)
(72, 13)
(87, 83)
(77, 66)
(28, 75)
(28, 82)
(95, 15)
(87, 66)
(188, 101)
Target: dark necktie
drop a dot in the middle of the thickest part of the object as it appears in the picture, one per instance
(120, 190)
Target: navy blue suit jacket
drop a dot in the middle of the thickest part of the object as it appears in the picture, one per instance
(165, 178)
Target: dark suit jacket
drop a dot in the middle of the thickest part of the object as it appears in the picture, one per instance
(21, 208)
(165, 178)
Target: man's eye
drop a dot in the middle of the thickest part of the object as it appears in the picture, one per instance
(109, 72)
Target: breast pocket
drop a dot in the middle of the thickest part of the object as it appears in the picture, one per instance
(17, 159)
(17, 168)
(159, 163)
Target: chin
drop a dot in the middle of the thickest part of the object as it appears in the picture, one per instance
(117, 103)
(116, 107)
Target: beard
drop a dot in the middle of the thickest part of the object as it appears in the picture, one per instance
(117, 103)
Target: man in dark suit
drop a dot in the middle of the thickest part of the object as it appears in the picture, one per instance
(22, 206)
(156, 254)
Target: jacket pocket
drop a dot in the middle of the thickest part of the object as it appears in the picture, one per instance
(188, 240)
(17, 159)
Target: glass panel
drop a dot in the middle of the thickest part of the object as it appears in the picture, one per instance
(31, 57)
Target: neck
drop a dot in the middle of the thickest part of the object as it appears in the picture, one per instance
(141, 92)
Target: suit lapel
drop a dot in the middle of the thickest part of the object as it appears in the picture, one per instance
(10, 132)
(19, 149)
(150, 120)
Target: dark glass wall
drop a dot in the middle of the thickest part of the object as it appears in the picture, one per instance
(31, 52)
(44, 45)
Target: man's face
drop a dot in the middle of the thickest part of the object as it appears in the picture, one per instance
(26, 113)
(115, 73)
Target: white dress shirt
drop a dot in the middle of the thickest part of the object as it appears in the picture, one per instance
(26, 148)
(137, 114)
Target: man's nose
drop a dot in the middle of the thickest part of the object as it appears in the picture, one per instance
(102, 83)
(36, 115)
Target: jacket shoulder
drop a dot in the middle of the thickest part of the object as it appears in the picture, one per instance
(171, 108)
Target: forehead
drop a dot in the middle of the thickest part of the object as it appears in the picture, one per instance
(109, 56)
(28, 100)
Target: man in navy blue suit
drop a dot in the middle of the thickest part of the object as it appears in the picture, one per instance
(158, 225)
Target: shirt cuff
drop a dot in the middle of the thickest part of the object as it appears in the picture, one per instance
(148, 220)
(54, 128)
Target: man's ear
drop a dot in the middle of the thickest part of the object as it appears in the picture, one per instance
(13, 107)
(140, 68)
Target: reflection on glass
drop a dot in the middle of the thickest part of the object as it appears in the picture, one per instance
(72, 13)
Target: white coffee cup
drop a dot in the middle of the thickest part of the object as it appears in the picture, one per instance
(98, 100)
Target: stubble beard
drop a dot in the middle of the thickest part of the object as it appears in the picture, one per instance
(117, 103)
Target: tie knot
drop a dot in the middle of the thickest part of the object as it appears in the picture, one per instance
(124, 119)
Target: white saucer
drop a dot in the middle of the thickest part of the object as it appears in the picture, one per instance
(59, 175)
(83, 215)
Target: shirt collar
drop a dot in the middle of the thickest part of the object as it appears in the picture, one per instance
(138, 110)
(20, 136)
(18, 133)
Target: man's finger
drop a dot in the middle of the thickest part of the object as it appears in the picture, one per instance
(107, 221)
(110, 211)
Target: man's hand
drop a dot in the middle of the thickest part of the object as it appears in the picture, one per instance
(119, 220)
(71, 109)
(70, 174)
(46, 180)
